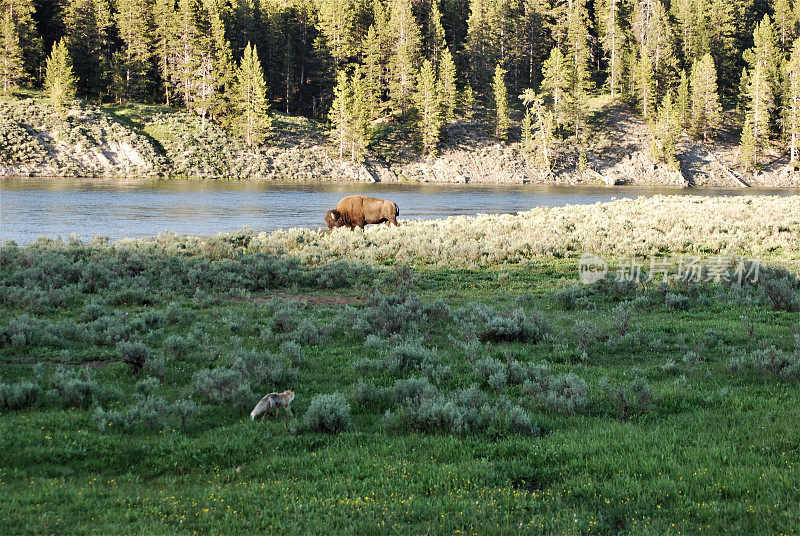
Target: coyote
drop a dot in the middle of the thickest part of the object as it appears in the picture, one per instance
(273, 401)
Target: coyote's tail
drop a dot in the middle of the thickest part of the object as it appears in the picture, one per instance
(396, 210)
(266, 404)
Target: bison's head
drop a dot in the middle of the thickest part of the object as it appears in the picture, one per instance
(333, 218)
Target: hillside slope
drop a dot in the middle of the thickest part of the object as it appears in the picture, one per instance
(146, 140)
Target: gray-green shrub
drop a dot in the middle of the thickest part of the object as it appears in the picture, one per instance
(224, 387)
(77, 387)
(328, 413)
(18, 395)
(293, 352)
(134, 354)
(515, 327)
(631, 399)
(176, 347)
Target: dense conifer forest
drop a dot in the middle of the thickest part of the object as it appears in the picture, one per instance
(694, 66)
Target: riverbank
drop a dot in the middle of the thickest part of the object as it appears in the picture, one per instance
(155, 141)
(764, 226)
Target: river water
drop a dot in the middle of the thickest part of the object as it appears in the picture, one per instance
(30, 208)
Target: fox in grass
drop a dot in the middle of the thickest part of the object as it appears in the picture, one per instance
(273, 401)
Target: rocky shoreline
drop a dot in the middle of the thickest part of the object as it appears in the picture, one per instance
(88, 141)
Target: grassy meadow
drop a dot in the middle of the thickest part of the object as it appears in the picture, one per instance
(451, 377)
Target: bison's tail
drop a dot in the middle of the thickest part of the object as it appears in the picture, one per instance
(396, 210)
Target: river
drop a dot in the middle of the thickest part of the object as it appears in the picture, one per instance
(30, 208)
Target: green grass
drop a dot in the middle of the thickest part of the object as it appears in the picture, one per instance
(718, 452)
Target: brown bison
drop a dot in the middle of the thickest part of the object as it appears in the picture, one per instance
(358, 210)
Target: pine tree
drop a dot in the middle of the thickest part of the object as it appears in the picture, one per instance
(656, 59)
(11, 69)
(166, 45)
(785, 23)
(479, 50)
(502, 120)
(405, 43)
(222, 75)
(359, 117)
(645, 83)
(556, 84)
(537, 130)
(690, 17)
(447, 86)
(684, 101)
(579, 77)
(250, 99)
(434, 40)
(373, 72)
(21, 13)
(612, 39)
(88, 29)
(792, 112)
(340, 112)
(762, 60)
(428, 108)
(468, 102)
(186, 54)
(747, 146)
(705, 99)
(336, 21)
(526, 130)
(132, 62)
(665, 130)
(60, 80)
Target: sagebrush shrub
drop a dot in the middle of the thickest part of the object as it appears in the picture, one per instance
(148, 412)
(515, 327)
(486, 367)
(147, 386)
(224, 387)
(565, 393)
(629, 400)
(366, 393)
(134, 354)
(692, 359)
(781, 287)
(621, 318)
(412, 389)
(18, 395)
(769, 361)
(572, 298)
(498, 380)
(676, 302)
(284, 320)
(21, 330)
(264, 368)
(520, 422)
(154, 364)
(176, 347)
(293, 352)
(307, 333)
(670, 367)
(329, 414)
(615, 288)
(461, 412)
(77, 387)
(411, 355)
